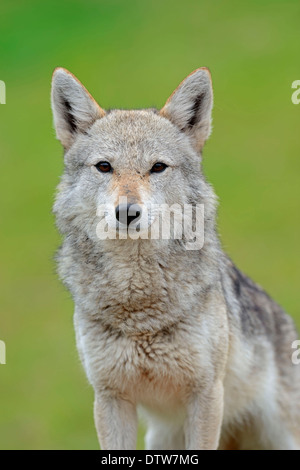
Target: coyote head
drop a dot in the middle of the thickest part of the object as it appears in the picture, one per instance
(128, 163)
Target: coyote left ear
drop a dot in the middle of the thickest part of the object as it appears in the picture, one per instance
(74, 109)
(189, 107)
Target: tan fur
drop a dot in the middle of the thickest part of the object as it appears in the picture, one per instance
(127, 184)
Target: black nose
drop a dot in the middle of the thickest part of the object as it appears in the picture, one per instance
(127, 213)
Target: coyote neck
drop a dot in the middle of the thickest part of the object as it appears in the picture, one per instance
(129, 284)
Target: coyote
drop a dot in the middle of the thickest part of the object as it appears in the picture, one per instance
(183, 336)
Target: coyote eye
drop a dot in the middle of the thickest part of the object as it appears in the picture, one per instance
(158, 167)
(104, 167)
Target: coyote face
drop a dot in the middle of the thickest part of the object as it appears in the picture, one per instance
(126, 167)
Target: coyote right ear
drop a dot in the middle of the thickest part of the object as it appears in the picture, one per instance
(189, 107)
(74, 109)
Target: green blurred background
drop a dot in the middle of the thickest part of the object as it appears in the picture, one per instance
(133, 54)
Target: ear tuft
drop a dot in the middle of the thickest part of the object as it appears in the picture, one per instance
(189, 107)
(74, 109)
